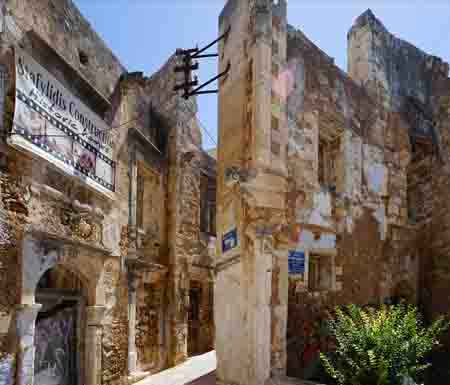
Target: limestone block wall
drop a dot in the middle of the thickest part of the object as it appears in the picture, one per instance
(390, 68)
(435, 255)
(403, 70)
(151, 323)
(395, 71)
(174, 197)
(251, 317)
(355, 222)
(36, 198)
(61, 25)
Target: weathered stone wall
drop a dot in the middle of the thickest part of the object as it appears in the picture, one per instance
(61, 25)
(415, 84)
(35, 198)
(151, 321)
(390, 68)
(251, 264)
(175, 214)
(367, 171)
(356, 222)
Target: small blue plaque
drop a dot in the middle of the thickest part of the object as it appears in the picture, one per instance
(296, 262)
(229, 240)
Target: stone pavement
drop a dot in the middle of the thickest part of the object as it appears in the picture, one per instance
(197, 370)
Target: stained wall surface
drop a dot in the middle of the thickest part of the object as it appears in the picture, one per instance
(136, 255)
(365, 166)
(347, 160)
(380, 135)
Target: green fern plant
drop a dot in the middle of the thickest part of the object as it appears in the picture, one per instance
(380, 346)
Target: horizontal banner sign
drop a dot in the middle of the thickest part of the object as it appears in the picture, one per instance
(55, 125)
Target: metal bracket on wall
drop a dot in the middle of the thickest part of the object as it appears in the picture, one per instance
(188, 66)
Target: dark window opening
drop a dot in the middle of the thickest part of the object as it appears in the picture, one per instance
(275, 47)
(157, 130)
(208, 205)
(327, 163)
(84, 58)
(320, 273)
(140, 200)
(195, 318)
(195, 295)
(275, 123)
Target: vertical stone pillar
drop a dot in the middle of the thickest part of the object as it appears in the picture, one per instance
(132, 354)
(180, 303)
(257, 270)
(279, 306)
(252, 186)
(25, 327)
(93, 343)
(133, 172)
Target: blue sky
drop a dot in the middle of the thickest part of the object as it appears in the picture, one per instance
(144, 33)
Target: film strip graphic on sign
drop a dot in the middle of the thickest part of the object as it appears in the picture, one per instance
(52, 123)
(61, 142)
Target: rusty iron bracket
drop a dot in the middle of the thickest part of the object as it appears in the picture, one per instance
(188, 66)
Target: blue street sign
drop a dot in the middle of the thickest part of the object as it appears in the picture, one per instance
(229, 240)
(296, 262)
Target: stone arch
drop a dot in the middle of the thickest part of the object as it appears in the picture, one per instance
(68, 268)
(39, 256)
(40, 253)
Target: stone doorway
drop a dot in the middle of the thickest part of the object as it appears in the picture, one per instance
(59, 329)
(195, 297)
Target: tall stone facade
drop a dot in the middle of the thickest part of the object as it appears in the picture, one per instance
(98, 286)
(331, 187)
(251, 199)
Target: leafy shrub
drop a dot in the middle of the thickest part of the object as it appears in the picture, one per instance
(380, 346)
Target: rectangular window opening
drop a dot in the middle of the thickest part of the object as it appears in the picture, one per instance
(327, 163)
(207, 205)
(275, 123)
(320, 273)
(140, 199)
(275, 47)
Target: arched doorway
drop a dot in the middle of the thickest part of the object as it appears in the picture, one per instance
(60, 328)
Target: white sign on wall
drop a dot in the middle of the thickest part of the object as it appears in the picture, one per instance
(55, 125)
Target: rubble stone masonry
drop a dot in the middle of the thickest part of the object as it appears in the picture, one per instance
(134, 256)
(365, 158)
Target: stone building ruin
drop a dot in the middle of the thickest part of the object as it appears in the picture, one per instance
(107, 206)
(340, 194)
(331, 189)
